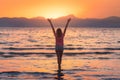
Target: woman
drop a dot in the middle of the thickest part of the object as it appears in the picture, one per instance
(59, 37)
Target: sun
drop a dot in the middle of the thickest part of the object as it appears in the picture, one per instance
(54, 15)
(55, 12)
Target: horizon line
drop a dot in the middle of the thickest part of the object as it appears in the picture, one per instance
(61, 17)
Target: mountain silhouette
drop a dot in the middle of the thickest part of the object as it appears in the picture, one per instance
(112, 21)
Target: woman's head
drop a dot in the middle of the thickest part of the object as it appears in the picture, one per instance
(59, 32)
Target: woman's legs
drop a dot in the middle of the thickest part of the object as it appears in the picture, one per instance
(59, 58)
(61, 53)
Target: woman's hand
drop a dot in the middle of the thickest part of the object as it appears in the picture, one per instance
(51, 25)
(69, 19)
(49, 20)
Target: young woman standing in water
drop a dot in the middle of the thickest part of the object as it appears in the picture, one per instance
(59, 37)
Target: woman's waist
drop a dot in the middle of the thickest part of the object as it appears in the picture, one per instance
(59, 44)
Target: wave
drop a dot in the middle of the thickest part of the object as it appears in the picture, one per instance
(12, 48)
(17, 72)
(110, 78)
(48, 55)
(25, 75)
(84, 53)
(66, 53)
(37, 48)
(112, 48)
(51, 47)
(5, 42)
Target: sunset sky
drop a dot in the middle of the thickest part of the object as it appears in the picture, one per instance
(57, 8)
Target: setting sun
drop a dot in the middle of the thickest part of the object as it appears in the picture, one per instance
(54, 14)
(55, 11)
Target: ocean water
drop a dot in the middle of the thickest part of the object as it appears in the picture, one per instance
(89, 54)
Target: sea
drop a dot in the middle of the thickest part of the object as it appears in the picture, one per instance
(28, 53)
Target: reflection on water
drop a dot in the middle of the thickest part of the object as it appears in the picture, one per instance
(90, 54)
(59, 74)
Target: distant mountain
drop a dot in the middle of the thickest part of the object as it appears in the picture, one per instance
(21, 22)
(112, 21)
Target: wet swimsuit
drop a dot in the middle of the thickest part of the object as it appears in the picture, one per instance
(59, 48)
(59, 43)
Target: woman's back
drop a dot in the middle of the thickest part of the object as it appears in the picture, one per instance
(60, 40)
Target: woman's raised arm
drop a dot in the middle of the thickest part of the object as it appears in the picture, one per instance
(51, 25)
(66, 26)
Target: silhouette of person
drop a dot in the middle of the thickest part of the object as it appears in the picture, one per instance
(59, 37)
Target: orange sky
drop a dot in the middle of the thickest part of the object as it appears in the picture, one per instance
(57, 8)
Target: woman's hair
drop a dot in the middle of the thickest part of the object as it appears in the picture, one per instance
(59, 32)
